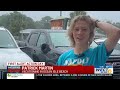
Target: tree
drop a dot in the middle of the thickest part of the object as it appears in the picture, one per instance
(44, 23)
(117, 24)
(76, 13)
(4, 20)
(16, 21)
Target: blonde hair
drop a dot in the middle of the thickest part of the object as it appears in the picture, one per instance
(72, 24)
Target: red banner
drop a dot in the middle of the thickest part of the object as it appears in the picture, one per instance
(53, 69)
(58, 69)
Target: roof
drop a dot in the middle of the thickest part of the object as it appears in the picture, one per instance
(37, 30)
(60, 17)
(26, 30)
(49, 30)
(102, 40)
(2, 28)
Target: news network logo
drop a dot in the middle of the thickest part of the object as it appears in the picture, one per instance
(20, 76)
(103, 70)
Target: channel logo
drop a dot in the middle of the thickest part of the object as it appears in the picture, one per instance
(103, 70)
(19, 76)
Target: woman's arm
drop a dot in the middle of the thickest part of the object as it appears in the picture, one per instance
(113, 34)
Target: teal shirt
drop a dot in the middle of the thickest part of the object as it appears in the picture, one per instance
(93, 56)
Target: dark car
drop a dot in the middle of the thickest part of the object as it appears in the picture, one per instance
(48, 45)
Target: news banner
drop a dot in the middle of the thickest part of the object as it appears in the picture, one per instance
(29, 70)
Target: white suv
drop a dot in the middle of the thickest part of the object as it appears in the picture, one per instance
(9, 50)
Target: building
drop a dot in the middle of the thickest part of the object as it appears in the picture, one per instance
(60, 23)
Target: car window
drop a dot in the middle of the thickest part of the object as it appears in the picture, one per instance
(42, 39)
(59, 39)
(33, 39)
(24, 36)
(6, 40)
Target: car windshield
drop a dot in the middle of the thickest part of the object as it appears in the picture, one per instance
(6, 40)
(60, 39)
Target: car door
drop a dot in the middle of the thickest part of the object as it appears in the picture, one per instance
(38, 55)
(31, 44)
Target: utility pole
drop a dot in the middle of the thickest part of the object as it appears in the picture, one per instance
(60, 13)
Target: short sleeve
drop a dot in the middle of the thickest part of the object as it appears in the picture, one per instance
(101, 55)
(59, 62)
(63, 57)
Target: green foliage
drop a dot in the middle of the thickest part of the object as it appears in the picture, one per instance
(16, 21)
(76, 13)
(100, 31)
(117, 24)
(44, 23)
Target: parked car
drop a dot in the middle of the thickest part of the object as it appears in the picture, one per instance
(48, 45)
(9, 50)
(101, 40)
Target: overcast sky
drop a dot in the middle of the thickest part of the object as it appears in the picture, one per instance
(102, 15)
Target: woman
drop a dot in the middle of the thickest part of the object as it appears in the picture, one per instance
(81, 34)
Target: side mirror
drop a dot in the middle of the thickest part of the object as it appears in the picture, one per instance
(21, 44)
(45, 48)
